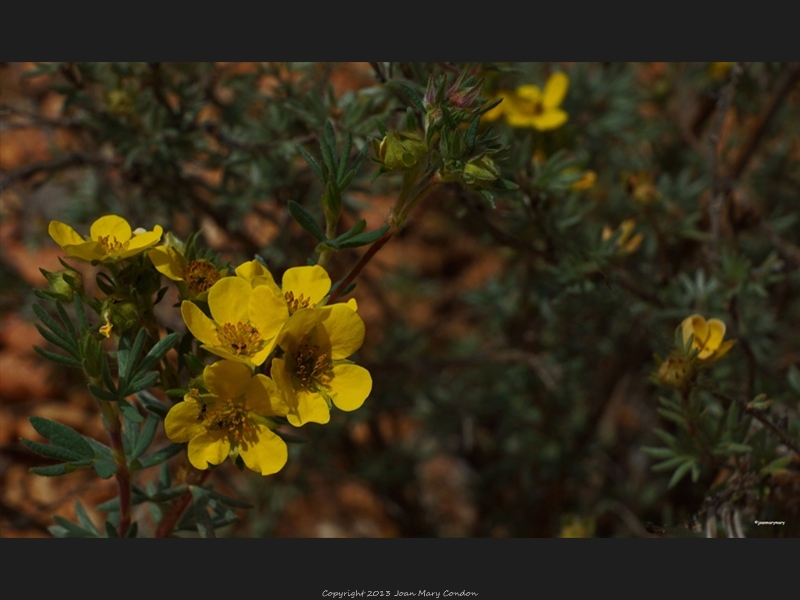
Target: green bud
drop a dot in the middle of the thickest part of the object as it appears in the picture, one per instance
(760, 402)
(120, 102)
(401, 150)
(64, 284)
(480, 173)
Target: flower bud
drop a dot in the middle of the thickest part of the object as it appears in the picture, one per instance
(64, 284)
(401, 150)
(675, 372)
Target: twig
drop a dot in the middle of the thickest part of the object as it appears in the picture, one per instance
(68, 160)
(373, 249)
(782, 435)
(717, 190)
(179, 506)
(756, 133)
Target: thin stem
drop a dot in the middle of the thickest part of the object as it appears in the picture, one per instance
(179, 506)
(111, 419)
(373, 249)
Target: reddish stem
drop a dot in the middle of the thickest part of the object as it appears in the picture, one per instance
(360, 265)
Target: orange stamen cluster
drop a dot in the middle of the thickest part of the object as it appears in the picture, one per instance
(311, 366)
(241, 338)
(200, 275)
(111, 245)
(230, 417)
(296, 304)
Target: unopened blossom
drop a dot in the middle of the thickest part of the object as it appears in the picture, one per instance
(707, 338)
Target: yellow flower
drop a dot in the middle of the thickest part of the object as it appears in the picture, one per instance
(232, 419)
(110, 239)
(625, 243)
(531, 107)
(707, 340)
(313, 373)
(244, 320)
(197, 275)
(586, 181)
(499, 110)
(301, 287)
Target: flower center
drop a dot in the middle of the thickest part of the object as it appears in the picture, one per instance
(312, 367)
(532, 108)
(200, 275)
(241, 338)
(111, 245)
(296, 304)
(231, 417)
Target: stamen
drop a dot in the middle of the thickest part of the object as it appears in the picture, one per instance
(241, 338)
(200, 275)
(111, 245)
(296, 304)
(312, 367)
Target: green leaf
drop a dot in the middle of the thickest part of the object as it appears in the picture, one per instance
(672, 416)
(63, 436)
(146, 436)
(158, 351)
(129, 411)
(102, 394)
(142, 382)
(128, 357)
(348, 144)
(84, 519)
(408, 93)
(111, 531)
(680, 472)
(51, 470)
(57, 358)
(202, 519)
(104, 468)
(312, 163)
(68, 346)
(794, 378)
(670, 464)
(658, 452)
(170, 494)
(779, 464)
(306, 221)
(58, 331)
(160, 456)
(363, 239)
(73, 530)
(52, 451)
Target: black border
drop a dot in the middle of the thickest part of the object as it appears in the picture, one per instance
(494, 569)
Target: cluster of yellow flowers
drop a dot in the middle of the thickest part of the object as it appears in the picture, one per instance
(528, 106)
(251, 318)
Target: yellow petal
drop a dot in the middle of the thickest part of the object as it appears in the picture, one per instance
(343, 328)
(266, 456)
(694, 325)
(723, 349)
(520, 119)
(264, 397)
(229, 300)
(299, 325)
(716, 334)
(222, 353)
(208, 447)
(113, 226)
(550, 119)
(268, 313)
(181, 423)
(227, 379)
(257, 274)
(350, 386)
(312, 282)
(554, 90)
(311, 408)
(87, 250)
(199, 324)
(531, 93)
(352, 304)
(63, 234)
(167, 261)
(142, 241)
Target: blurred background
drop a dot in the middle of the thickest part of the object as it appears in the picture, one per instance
(511, 346)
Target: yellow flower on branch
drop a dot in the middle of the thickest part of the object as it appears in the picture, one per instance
(301, 287)
(110, 239)
(625, 243)
(313, 373)
(531, 107)
(707, 338)
(197, 275)
(244, 320)
(232, 419)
